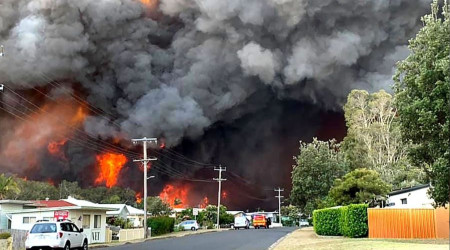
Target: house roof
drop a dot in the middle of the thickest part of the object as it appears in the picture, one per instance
(88, 205)
(54, 203)
(406, 190)
(118, 208)
(15, 202)
(134, 211)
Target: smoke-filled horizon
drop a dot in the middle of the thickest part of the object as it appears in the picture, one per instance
(177, 68)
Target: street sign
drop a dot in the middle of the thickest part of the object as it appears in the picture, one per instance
(61, 215)
(195, 211)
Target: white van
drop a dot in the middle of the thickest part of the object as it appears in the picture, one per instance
(241, 222)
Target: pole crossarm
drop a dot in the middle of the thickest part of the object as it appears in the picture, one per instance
(149, 159)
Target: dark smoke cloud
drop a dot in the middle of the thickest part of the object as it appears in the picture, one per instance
(177, 75)
(218, 73)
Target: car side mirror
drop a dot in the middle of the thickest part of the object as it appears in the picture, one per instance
(81, 230)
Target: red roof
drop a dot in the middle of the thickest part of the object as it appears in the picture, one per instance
(54, 203)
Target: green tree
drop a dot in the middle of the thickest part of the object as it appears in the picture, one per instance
(8, 187)
(373, 138)
(359, 186)
(36, 190)
(158, 207)
(422, 88)
(291, 211)
(316, 167)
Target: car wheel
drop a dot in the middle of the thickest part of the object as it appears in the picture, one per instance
(85, 245)
(193, 228)
(67, 246)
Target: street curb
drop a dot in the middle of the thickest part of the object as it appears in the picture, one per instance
(104, 245)
(279, 241)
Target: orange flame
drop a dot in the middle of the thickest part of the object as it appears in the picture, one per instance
(54, 148)
(150, 3)
(176, 197)
(224, 195)
(204, 203)
(110, 165)
(138, 197)
(30, 137)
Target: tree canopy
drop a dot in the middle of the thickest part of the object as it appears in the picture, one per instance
(373, 138)
(422, 88)
(8, 187)
(158, 207)
(316, 167)
(358, 186)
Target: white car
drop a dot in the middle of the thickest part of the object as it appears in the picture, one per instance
(189, 225)
(60, 234)
(241, 222)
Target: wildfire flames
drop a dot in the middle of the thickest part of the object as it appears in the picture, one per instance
(204, 203)
(224, 195)
(29, 137)
(176, 197)
(110, 165)
(54, 148)
(139, 197)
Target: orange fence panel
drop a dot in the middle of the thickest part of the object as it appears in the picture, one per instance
(407, 223)
(442, 223)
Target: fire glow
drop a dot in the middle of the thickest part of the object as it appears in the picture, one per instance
(176, 197)
(110, 165)
(138, 197)
(29, 137)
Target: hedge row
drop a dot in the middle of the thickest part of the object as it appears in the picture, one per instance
(4, 236)
(349, 221)
(161, 225)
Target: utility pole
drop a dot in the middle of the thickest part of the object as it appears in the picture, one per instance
(2, 54)
(279, 190)
(220, 169)
(145, 162)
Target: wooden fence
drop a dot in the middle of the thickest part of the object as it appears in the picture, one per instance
(408, 223)
(131, 234)
(19, 237)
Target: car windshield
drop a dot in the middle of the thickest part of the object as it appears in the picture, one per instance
(43, 228)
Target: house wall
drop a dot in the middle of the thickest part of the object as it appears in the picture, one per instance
(138, 220)
(415, 199)
(3, 209)
(95, 235)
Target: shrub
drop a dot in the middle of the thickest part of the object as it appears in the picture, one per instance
(354, 220)
(161, 225)
(4, 236)
(327, 221)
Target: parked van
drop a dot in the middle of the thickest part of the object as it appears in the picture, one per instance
(241, 222)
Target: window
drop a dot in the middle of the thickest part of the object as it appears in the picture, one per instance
(404, 201)
(64, 227)
(29, 220)
(97, 221)
(44, 228)
(48, 218)
(75, 228)
(86, 221)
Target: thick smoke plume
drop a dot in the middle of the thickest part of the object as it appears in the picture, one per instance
(175, 68)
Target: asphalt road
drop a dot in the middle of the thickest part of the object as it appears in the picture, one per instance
(249, 239)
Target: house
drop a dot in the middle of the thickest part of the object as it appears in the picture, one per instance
(85, 214)
(10, 205)
(134, 215)
(413, 197)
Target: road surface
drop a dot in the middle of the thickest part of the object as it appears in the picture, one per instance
(250, 239)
